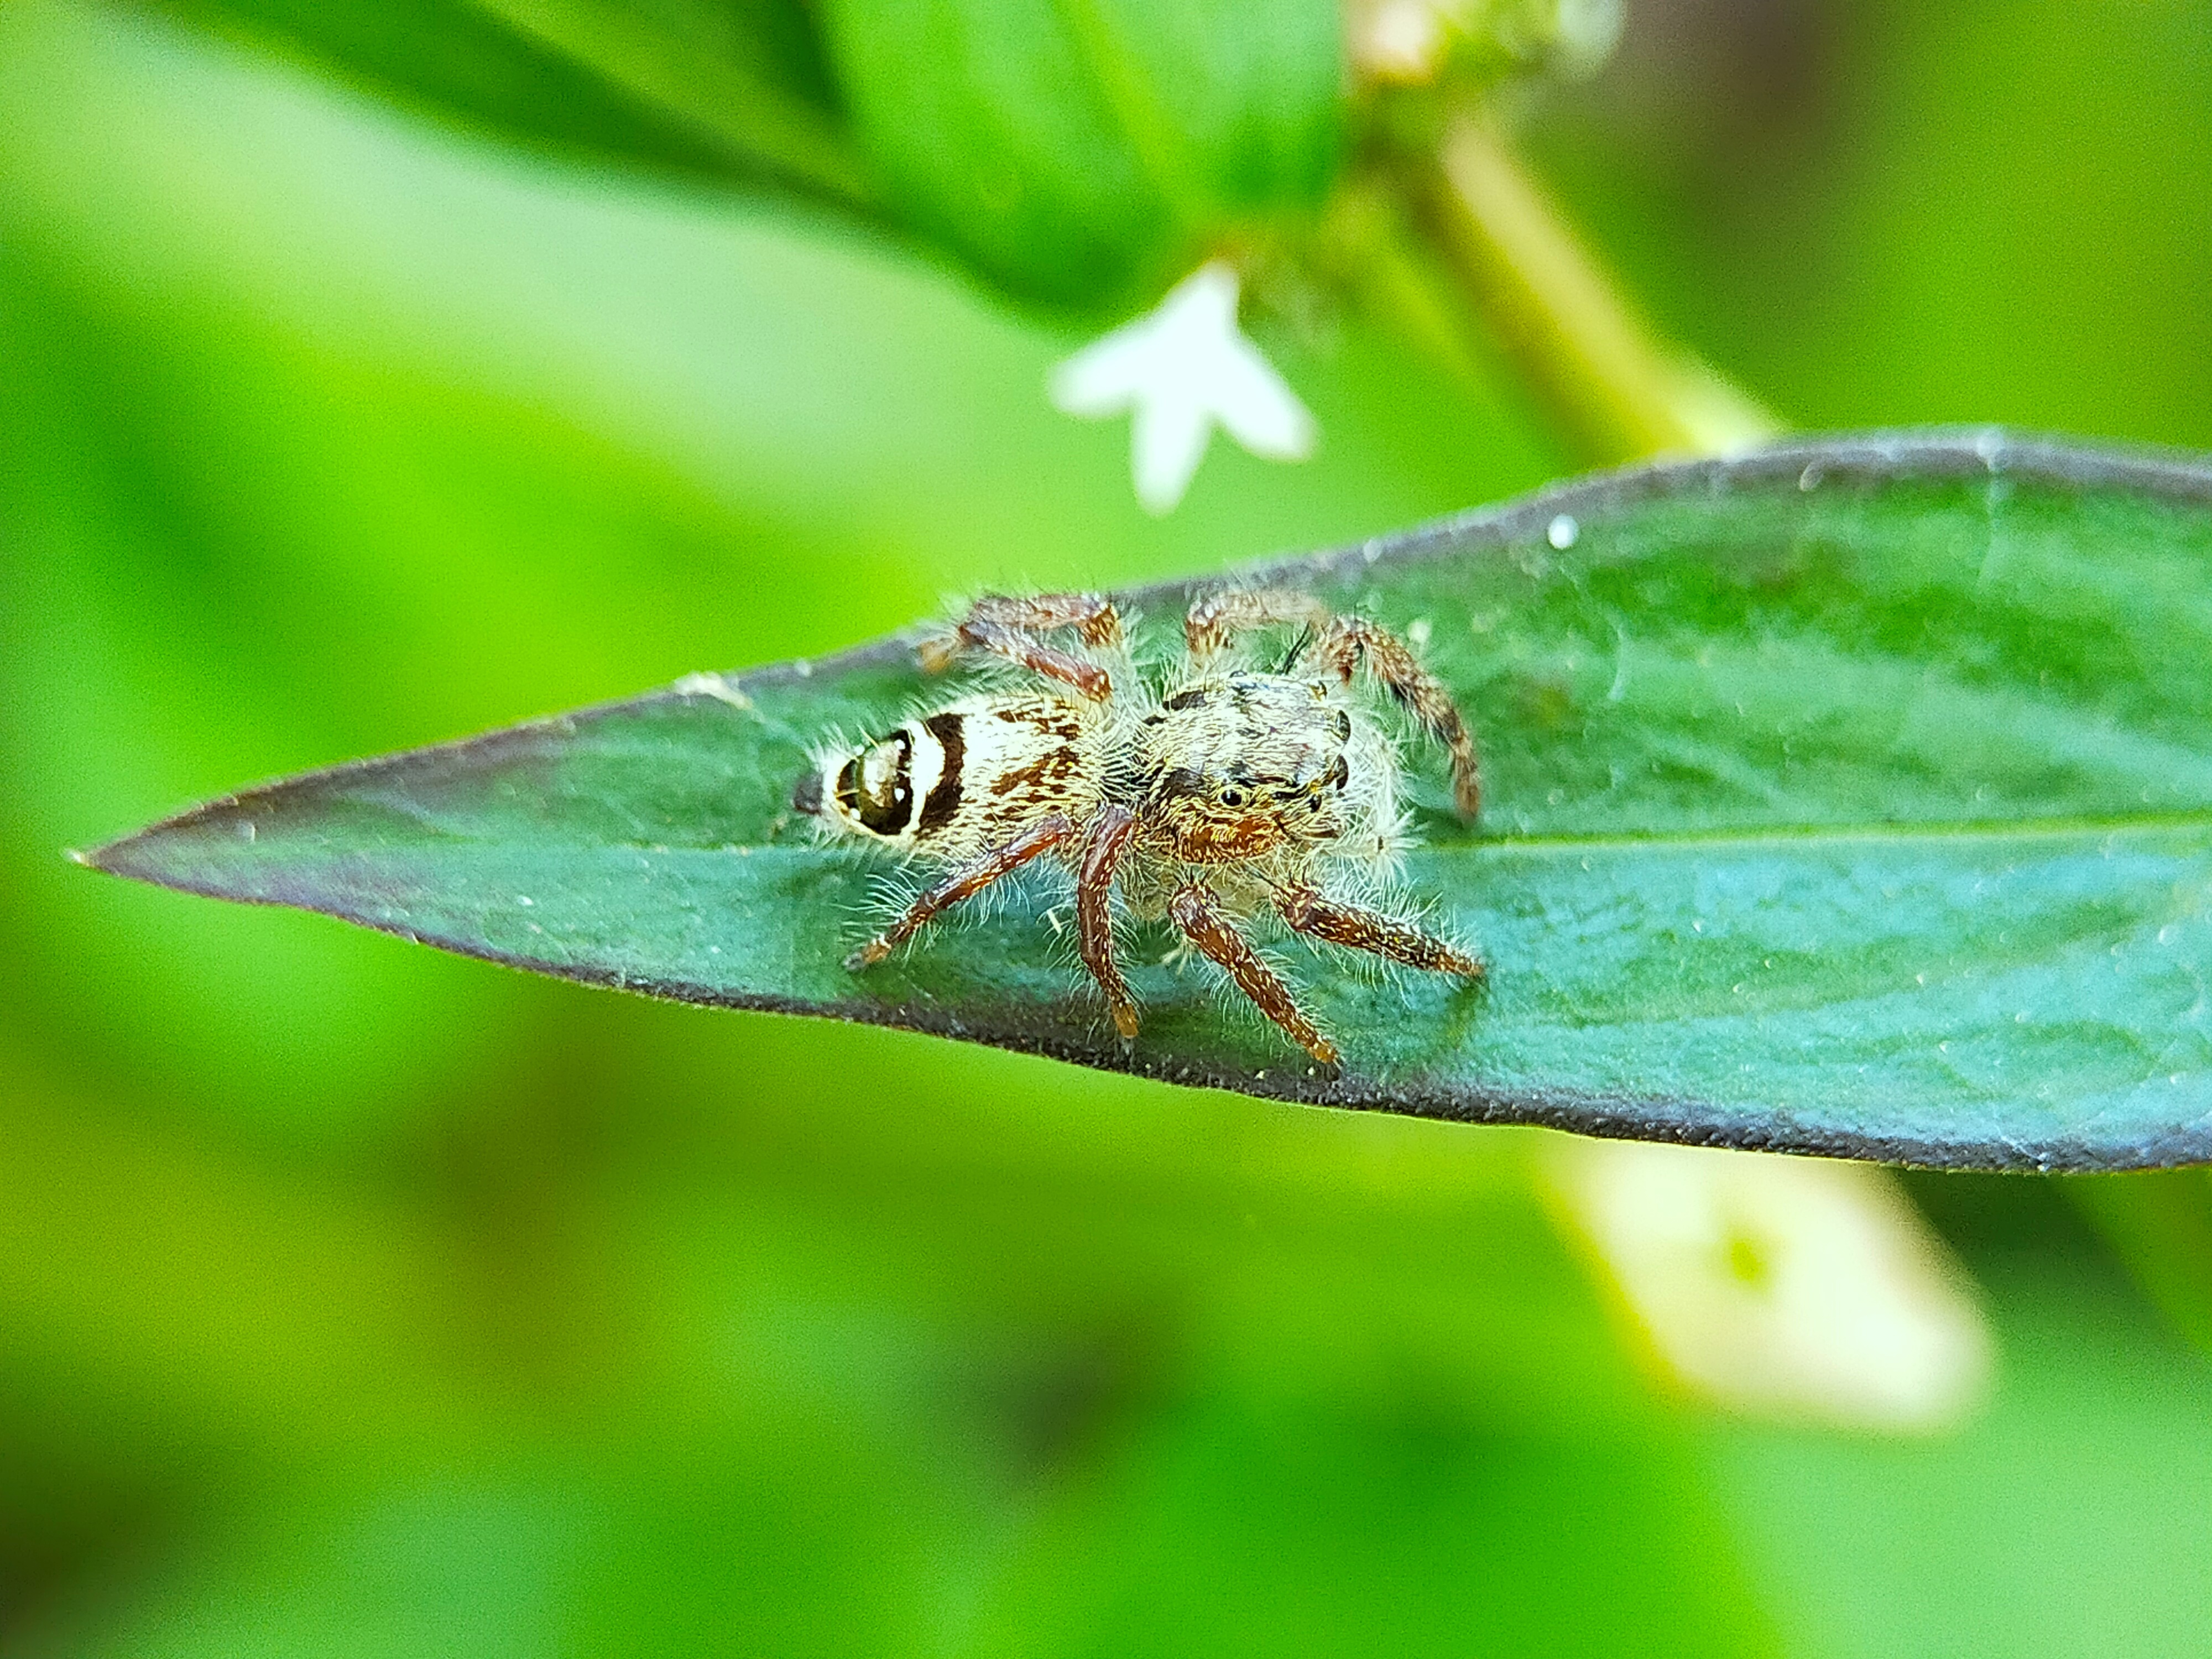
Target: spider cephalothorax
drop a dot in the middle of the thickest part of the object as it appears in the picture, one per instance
(1231, 793)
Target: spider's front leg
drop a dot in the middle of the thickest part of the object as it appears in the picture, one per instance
(1094, 927)
(1013, 628)
(1200, 915)
(1344, 642)
(1217, 618)
(1358, 928)
(964, 883)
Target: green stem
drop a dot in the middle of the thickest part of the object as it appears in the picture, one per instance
(1623, 393)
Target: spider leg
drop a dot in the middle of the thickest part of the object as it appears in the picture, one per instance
(1199, 914)
(1094, 927)
(964, 883)
(1344, 642)
(1361, 929)
(1215, 619)
(1092, 616)
(1012, 628)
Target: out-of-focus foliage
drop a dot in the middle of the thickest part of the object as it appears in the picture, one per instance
(697, 87)
(354, 1299)
(1890, 214)
(1079, 156)
(1069, 150)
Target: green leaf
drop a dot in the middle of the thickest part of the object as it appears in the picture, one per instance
(1853, 797)
(696, 85)
(2160, 1225)
(1072, 150)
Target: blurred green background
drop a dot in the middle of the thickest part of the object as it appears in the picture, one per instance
(357, 1299)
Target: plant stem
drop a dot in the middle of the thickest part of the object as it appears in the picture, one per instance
(1623, 394)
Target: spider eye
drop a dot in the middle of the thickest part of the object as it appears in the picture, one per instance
(1232, 798)
(875, 787)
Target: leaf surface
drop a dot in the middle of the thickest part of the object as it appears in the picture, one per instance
(1075, 149)
(1854, 797)
(696, 85)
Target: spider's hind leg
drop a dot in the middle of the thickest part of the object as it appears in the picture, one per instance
(964, 883)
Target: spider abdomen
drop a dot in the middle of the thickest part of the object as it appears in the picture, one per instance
(959, 777)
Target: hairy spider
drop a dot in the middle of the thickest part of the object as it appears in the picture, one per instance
(1232, 793)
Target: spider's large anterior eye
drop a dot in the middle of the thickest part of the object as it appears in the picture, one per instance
(1232, 798)
(876, 787)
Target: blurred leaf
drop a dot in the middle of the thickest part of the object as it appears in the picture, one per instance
(1275, 1531)
(2161, 1225)
(726, 70)
(1847, 797)
(1073, 151)
(696, 84)
(2072, 1520)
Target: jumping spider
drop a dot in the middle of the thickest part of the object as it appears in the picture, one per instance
(1233, 793)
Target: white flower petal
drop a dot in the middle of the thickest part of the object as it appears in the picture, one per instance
(1181, 369)
(1167, 441)
(1204, 303)
(1103, 379)
(1256, 407)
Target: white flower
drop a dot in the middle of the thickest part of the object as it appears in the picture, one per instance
(1784, 1287)
(1408, 42)
(1182, 368)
